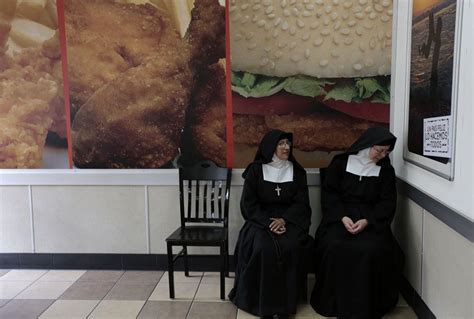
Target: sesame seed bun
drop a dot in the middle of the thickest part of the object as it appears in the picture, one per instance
(319, 38)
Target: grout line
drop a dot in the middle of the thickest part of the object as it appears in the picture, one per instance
(30, 200)
(100, 300)
(147, 220)
(194, 297)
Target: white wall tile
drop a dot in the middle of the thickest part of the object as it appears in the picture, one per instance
(15, 220)
(447, 270)
(407, 228)
(89, 219)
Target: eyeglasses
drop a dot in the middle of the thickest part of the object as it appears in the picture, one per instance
(284, 143)
(381, 150)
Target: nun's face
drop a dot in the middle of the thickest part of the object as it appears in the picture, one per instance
(283, 149)
(378, 152)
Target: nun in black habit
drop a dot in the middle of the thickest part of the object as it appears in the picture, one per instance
(358, 261)
(273, 240)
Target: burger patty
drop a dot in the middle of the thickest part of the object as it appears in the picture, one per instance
(320, 131)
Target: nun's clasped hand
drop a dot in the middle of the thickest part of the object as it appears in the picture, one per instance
(354, 228)
(277, 226)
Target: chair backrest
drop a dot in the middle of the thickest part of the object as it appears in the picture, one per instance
(204, 192)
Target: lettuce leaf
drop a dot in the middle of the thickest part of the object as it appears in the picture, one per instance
(377, 89)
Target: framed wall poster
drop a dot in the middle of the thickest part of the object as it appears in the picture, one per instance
(431, 101)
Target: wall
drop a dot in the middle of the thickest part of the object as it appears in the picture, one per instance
(439, 261)
(101, 219)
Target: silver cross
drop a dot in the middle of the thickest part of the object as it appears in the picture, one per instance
(278, 189)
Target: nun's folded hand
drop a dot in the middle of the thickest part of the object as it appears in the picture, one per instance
(276, 224)
(360, 225)
(348, 223)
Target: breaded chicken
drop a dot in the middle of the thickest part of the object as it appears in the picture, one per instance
(208, 114)
(135, 119)
(27, 90)
(31, 101)
(105, 39)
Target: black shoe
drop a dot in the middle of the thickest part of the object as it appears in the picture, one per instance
(282, 316)
(267, 317)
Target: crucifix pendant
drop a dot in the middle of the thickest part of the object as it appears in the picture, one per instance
(278, 189)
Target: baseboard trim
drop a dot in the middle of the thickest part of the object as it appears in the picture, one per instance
(106, 261)
(414, 300)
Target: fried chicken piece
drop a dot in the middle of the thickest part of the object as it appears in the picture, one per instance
(4, 33)
(208, 115)
(104, 39)
(25, 117)
(135, 120)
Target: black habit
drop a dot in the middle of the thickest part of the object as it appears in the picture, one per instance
(270, 267)
(357, 276)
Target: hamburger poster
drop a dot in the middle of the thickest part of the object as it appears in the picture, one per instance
(319, 69)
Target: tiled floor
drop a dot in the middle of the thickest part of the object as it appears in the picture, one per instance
(71, 294)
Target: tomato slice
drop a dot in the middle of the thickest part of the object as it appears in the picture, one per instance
(286, 103)
(366, 110)
(278, 104)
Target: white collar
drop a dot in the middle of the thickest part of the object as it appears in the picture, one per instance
(360, 164)
(278, 170)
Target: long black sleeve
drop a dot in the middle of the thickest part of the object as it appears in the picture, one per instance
(249, 204)
(299, 213)
(384, 209)
(331, 202)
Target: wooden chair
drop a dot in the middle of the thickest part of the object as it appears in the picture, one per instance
(204, 191)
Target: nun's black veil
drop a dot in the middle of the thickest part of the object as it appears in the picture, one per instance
(267, 148)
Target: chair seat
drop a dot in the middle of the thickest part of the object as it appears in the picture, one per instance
(201, 235)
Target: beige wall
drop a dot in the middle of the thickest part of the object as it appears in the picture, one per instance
(439, 261)
(101, 219)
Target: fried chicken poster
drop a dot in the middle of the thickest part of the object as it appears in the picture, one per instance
(138, 74)
(32, 115)
(143, 82)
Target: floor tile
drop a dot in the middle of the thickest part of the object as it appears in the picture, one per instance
(87, 290)
(165, 310)
(211, 292)
(115, 309)
(402, 302)
(101, 275)
(244, 315)
(3, 272)
(24, 309)
(142, 276)
(62, 275)
(401, 313)
(131, 290)
(215, 278)
(182, 291)
(180, 277)
(306, 311)
(10, 289)
(4, 302)
(45, 290)
(71, 309)
(23, 275)
(212, 310)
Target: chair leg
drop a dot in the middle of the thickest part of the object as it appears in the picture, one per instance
(223, 270)
(186, 264)
(170, 270)
(227, 258)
